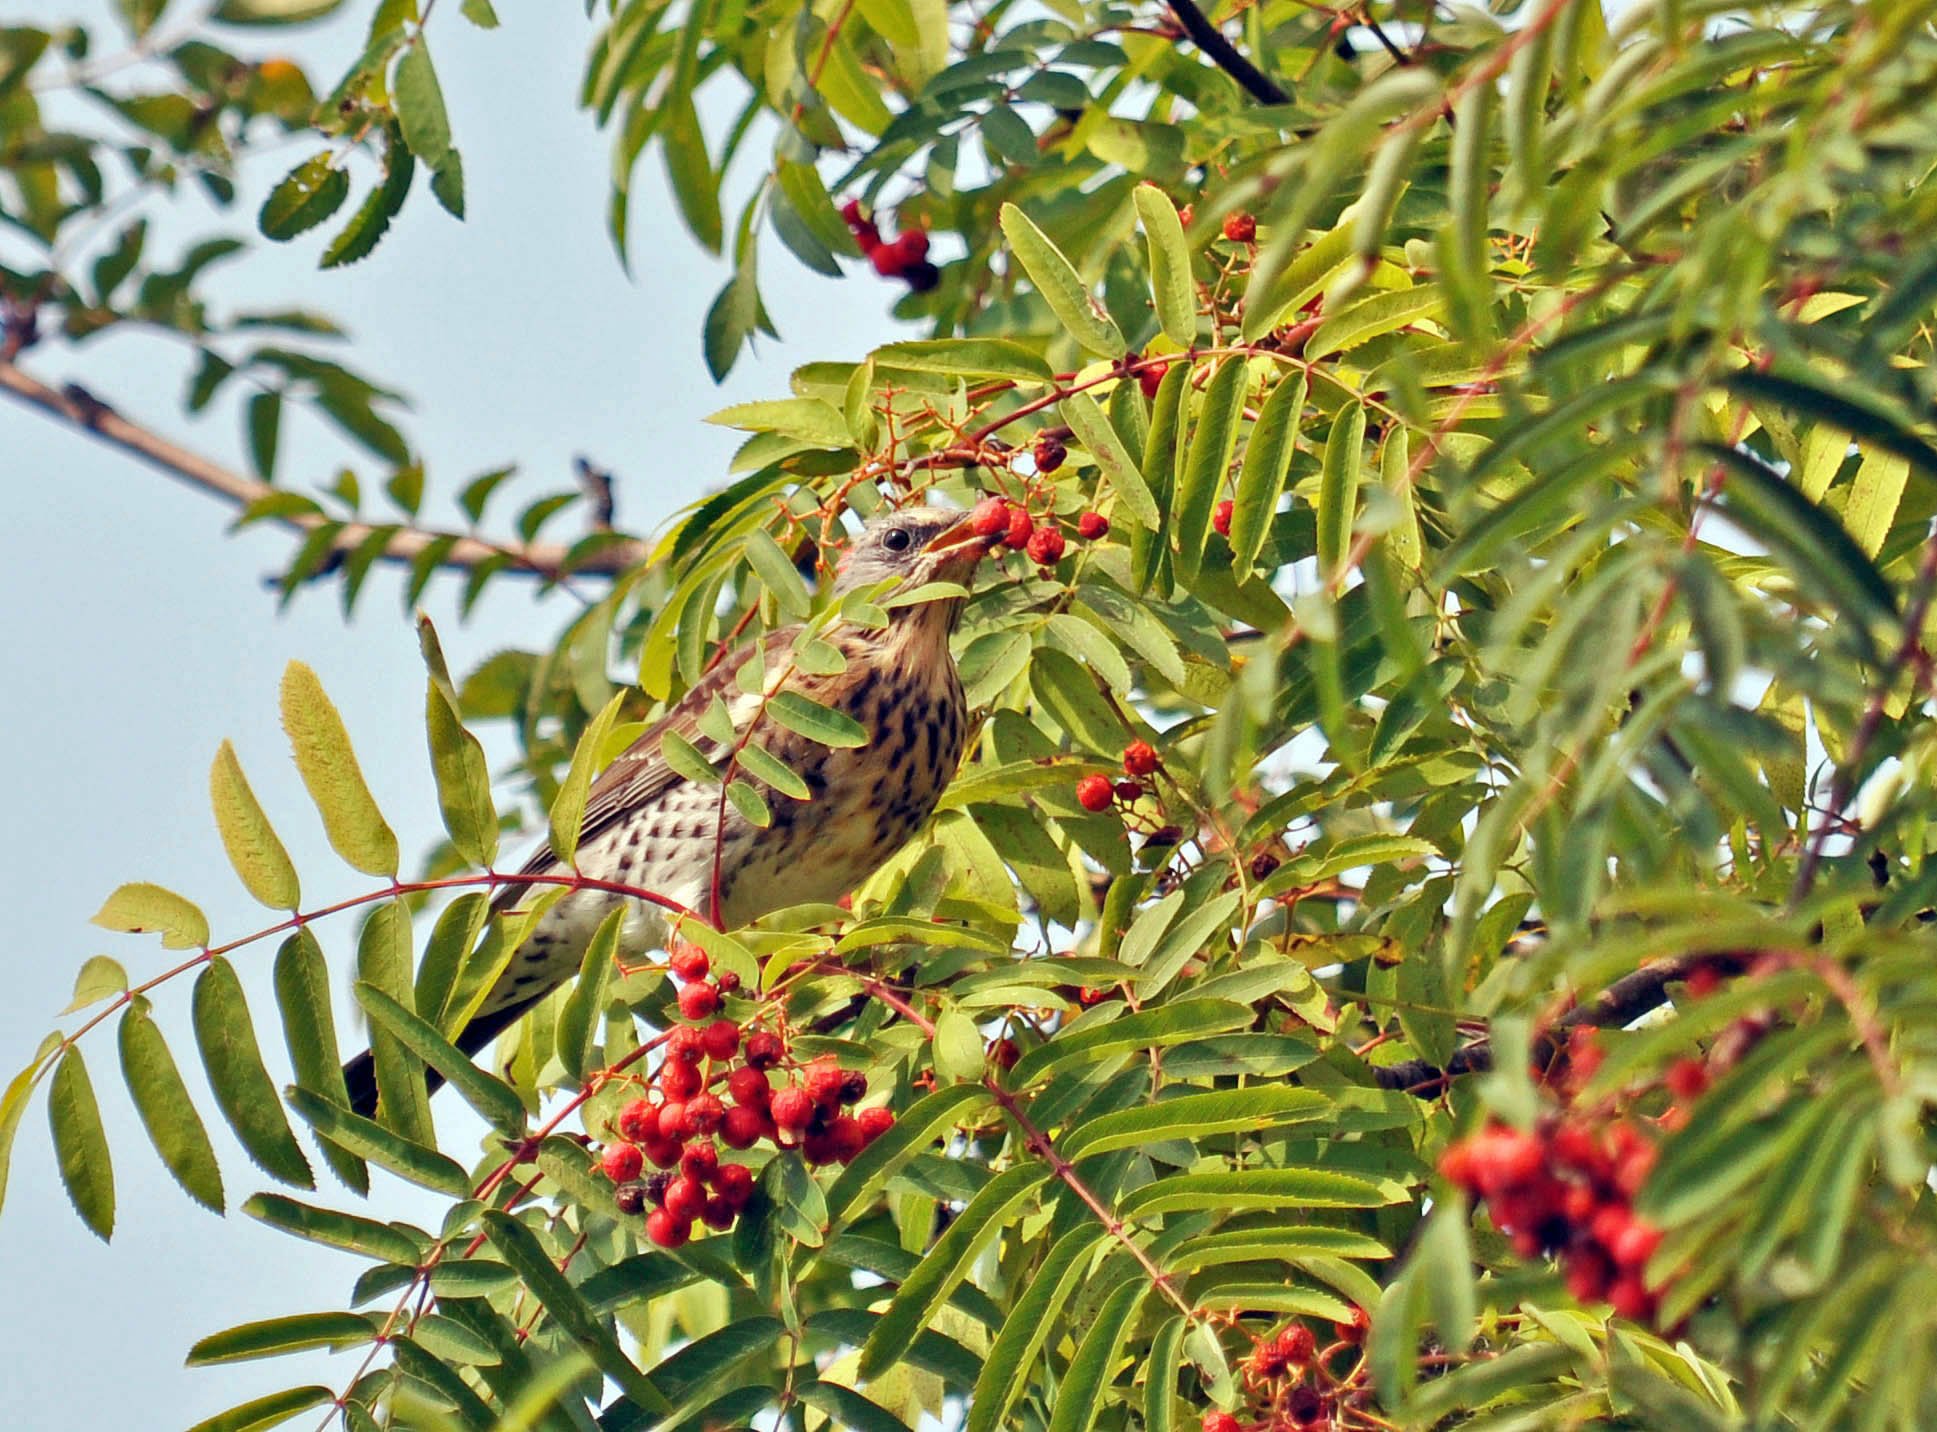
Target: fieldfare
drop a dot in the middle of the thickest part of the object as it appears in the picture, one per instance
(648, 826)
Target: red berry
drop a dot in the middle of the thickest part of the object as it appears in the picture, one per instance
(665, 1230)
(1095, 793)
(698, 1001)
(1703, 980)
(743, 1126)
(1508, 1158)
(749, 1086)
(1139, 758)
(728, 982)
(1221, 1422)
(1149, 376)
(630, 1197)
(662, 1152)
(1610, 1225)
(683, 1043)
(1297, 1344)
(1046, 546)
(887, 260)
(764, 1050)
(990, 517)
(700, 1162)
(638, 1121)
(721, 1038)
(851, 211)
(1588, 1274)
(1221, 517)
(1267, 1361)
(1355, 1330)
(704, 1113)
(672, 1121)
(793, 1107)
(823, 1082)
(817, 1147)
(685, 1199)
(689, 963)
(735, 1183)
(1636, 1245)
(1049, 454)
(1578, 1204)
(1629, 1298)
(847, 1137)
(1092, 525)
(854, 1086)
(1687, 1078)
(912, 246)
(1240, 228)
(1004, 1053)
(679, 1079)
(622, 1162)
(1573, 1147)
(718, 1214)
(1631, 1173)
(1460, 1165)
(1021, 526)
(874, 1123)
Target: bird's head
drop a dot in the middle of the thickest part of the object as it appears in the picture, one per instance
(916, 545)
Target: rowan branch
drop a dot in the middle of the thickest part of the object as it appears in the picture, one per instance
(80, 409)
(1226, 56)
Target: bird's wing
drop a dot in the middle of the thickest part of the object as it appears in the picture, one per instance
(639, 774)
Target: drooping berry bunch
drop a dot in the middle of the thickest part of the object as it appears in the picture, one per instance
(904, 257)
(1294, 1385)
(679, 1123)
(1097, 793)
(1567, 1187)
(1012, 521)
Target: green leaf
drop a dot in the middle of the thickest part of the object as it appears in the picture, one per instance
(463, 781)
(763, 765)
(986, 358)
(1261, 1188)
(520, 1248)
(1079, 1401)
(265, 427)
(419, 101)
(383, 958)
(308, 194)
(358, 239)
(751, 805)
(1370, 317)
(1056, 279)
(696, 189)
(778, 573)
(273, 1337)
(924, 1291)
(1267, 463)
(334, 1229)
(925, 1120)
(226, 1037)
(161, 1098)
(1094, 431)
(309, 1031)
(141, 908)
(273, 12)
(1211, 447)
(367, 1139)
(578, 1022)
(588, 758)
(254, 849)
(849, 1409)
(1020, 1338)
(81, 1144)
(1170, 278)
(355, 827)
(806, 717)
(1160, 1377)
(1176, 1023)
(100, 978)
(496, 1102)
(1196, 1116)
(957, 1046)
(1338, 489)
(278, 1407)
(1443, 1261)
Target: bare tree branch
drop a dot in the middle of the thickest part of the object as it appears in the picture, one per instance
(1254, 81)
(1622, 1002)
(80, 409)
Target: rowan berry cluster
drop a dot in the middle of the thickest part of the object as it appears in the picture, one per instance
(1012, 522)
(1098, 793)
(679, 1124)
(1294, 1385)
(904, 257)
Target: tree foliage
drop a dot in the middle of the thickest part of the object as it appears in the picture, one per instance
(1512, 437)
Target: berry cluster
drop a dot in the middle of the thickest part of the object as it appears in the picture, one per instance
(1011, 521)
(1296, 1386)
(1098, 793)
(678, 1125)
(904, 257)
(1568, 1187)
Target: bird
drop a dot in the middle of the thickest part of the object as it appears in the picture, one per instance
(650, 827)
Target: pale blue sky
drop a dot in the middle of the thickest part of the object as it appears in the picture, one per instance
(139, 636)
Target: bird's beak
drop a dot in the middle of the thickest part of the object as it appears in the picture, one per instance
(957, 535)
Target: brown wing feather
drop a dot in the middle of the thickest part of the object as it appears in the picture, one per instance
(638, 775)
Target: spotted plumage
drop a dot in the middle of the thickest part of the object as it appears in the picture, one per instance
(648, 826)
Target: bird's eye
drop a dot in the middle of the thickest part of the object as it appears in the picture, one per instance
(897, 539)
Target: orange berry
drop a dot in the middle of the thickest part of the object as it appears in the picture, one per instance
(1095, 793)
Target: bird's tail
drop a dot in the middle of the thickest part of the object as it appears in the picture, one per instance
(360, 1074)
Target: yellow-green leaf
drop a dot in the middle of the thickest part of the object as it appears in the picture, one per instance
(141, 908)
(355, 827)
(253, 846)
